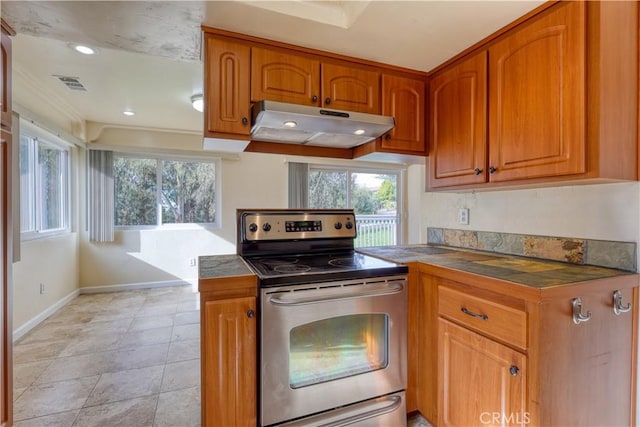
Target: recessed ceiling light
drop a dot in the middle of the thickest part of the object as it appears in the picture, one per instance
(197, 102)
(129, 113)
(83, 49)
(290, 124)
(359, 132)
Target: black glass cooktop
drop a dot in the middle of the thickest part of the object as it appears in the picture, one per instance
(296, 269)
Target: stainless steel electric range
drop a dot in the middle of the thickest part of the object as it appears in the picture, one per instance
(333, 322)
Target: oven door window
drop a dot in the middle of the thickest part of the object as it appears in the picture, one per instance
(337, 347)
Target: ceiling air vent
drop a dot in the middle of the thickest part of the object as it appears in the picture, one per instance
(72, 83)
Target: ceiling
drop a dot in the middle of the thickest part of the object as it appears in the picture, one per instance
(148, 57)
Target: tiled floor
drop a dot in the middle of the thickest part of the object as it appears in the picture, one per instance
(123, 359)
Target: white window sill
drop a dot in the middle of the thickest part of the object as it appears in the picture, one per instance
(37, 235)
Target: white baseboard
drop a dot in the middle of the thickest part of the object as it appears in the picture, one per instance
(132, 286)
(32, 323)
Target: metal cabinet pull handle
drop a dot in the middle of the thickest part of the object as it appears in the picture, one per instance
(618, 308)
(245, 120)
(492, 170)
(250, 314)
(472, 314)
(327, 101)
(314, 98)
(578, 317)
(513, 370)
(477, 171)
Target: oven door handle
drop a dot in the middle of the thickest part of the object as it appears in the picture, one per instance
(331, 294)
(349, 415)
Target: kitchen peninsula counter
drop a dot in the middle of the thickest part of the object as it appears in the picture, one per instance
(224, 273)
(531, 272)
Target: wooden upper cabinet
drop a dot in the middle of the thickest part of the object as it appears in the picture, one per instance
(350, 88)
(227, 77)
(281, 76)
(404, 99)
(458, 123)
(537, 97)
(5, 69)
(562, 97)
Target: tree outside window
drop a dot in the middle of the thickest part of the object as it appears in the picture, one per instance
(156, 191)
(372, 195)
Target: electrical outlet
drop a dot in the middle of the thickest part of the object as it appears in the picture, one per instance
(41, 288)
(192, 262)
(463, 216)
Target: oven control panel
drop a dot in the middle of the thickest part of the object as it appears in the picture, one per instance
(296, 225)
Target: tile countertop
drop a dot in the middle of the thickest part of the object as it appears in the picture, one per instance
(533, 272)
(219, 266)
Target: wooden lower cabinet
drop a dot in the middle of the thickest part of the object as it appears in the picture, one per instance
(481, 382)
(491, 352)
(229, 358)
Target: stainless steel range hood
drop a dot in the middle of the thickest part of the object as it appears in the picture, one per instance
(300, 124)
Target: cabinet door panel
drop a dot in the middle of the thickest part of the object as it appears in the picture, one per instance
(229, 335)
(537, 97)
(476, 381)
(278, 76)
(403, 98)
(227, 89)
(596, 356)
(458, 123)
(351, 89)
(5, 69)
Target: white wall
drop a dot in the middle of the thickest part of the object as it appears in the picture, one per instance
(53, 262)
(249, 180)
(603, 211)
(255, 180)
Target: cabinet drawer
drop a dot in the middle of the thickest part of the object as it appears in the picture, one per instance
(502, 322)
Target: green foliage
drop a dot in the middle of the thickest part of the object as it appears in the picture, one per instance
(187, 193)
(327, 189)
(135, 188)
(387, 194)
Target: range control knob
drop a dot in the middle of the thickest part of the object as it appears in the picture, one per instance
(349, 225)
(338, 225)
(266, 226)
(253, 228)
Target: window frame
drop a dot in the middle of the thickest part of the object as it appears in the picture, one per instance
(176, 158)
(65, 209)
(400, 186)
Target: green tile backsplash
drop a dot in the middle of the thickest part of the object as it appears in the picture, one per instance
(620, 255)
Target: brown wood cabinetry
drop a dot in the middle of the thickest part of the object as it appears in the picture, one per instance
(5, 69)
(511, 354)
(458, 123)
(286, 77)
(228, 351)
(6, 232)
(241, 70)
(403, 98)
(562, 96)
(537, 97)
(350, 88)
(226, 90)
(479, 380)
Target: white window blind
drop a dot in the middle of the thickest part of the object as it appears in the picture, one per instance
(101, 196)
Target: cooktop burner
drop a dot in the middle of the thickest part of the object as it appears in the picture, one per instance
(309, 268)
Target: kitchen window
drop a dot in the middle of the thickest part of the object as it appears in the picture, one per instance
(44, 187)
(373, 194)
(151, 191)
